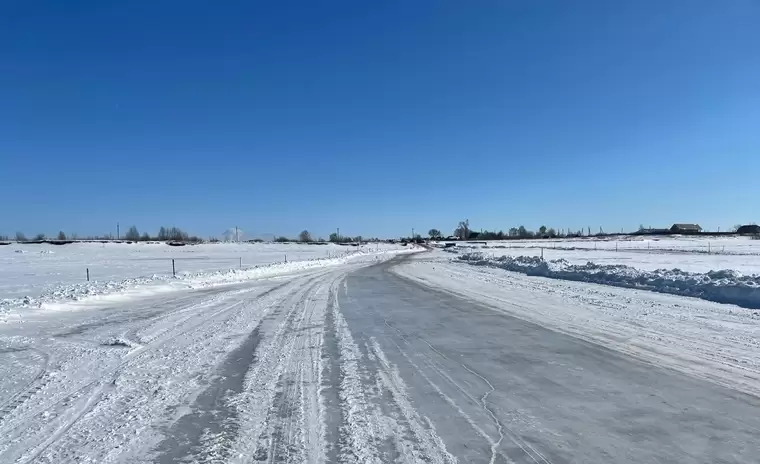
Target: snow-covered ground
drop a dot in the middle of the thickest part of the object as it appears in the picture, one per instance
(671, 243)
(340, 360)
(725, 270)
(740, 254)
(115, 383)
(34, 275)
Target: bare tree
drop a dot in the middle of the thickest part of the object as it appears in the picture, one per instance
(434, 233)
(39, 237)
(145, 237)
(542, 230)
(61, 235)
(20, 237)
(304, 236)
(463, 230)
(132, 234)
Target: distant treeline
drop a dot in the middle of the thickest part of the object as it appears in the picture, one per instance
(464, 232)
(165, 234)
(174, 234)
(306, 237)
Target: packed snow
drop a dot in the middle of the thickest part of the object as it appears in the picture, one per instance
(219, 374)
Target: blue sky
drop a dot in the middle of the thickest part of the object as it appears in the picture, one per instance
(377, 117)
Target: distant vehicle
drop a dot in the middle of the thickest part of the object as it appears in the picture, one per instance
(173, 243)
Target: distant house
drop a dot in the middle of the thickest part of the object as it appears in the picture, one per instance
(685, 229)
(749, 229)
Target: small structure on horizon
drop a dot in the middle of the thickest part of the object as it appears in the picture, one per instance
(685, 229)
(748, 229)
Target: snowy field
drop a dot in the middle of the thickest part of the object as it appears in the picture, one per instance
(30, 273)
(724, 271)
(685, 253)
(379, 355)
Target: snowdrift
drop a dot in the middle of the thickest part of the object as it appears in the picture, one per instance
(721, 286)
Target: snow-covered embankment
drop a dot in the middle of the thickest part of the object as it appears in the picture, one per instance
(722, 286)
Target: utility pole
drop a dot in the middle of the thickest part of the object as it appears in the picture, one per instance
(117, 231)
(237, 238)
(338, 240)
(412, 233)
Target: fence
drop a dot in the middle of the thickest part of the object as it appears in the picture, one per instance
(708, 248)
(175, 265)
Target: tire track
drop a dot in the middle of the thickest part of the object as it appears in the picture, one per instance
(331, 379)
(503, 432)
(37, 383)
(269, 382)
(428, 446)
(212, 415)
(294, 421)
(358, 431)
(76, 407)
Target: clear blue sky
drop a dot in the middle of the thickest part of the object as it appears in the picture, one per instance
(377, 117)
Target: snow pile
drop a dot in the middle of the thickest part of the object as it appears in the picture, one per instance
(722, 286)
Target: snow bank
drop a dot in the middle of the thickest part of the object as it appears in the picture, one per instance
(722, 286)
(131, 287)
(26, 271)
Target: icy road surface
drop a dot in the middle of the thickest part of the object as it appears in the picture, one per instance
(352, 364)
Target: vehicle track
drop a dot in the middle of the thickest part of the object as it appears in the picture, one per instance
(209, 432)
(85, 398)
(34, 385)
